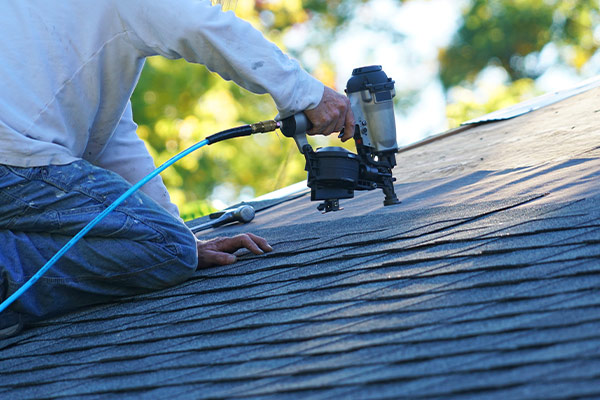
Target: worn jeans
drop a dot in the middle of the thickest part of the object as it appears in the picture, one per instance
(136, 248)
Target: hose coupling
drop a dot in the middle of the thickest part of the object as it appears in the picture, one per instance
(265, 126)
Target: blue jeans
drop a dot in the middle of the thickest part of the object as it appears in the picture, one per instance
(137, 248)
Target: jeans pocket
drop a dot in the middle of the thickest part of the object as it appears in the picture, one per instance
(17, 207)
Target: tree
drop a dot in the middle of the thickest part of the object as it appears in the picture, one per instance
(512, 35)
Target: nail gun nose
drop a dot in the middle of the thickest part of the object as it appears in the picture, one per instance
(243, 214)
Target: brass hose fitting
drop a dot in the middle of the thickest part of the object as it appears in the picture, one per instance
(265, 126)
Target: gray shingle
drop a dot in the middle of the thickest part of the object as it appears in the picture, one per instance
(481, 284)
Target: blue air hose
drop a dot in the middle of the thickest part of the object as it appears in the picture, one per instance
(245, 130)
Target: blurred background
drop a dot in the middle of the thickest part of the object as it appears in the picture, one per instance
(452, 60)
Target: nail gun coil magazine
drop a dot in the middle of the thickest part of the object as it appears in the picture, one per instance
(333, 173)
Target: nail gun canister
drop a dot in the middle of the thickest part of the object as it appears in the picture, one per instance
(335, 174)
(371, 92)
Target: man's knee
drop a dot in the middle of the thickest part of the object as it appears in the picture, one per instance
(189, 252)
(143, 265)
(184, 262)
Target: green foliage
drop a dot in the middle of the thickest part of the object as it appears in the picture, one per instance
(511, 34)
(496, 31)
(177, 104)
(504, 32)
(195, 209)
(469, 104)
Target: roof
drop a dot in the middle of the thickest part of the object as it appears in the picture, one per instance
(482, 283)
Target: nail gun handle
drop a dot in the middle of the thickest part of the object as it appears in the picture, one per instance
(297, 124)
(296, 127)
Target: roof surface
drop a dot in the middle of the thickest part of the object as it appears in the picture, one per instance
(483, 283)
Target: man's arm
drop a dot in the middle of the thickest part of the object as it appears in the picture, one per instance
(225, 44)
(203, 34)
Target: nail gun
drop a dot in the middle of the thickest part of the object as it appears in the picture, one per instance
(335, 173)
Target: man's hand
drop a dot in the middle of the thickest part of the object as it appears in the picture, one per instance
(331, 115)
(218, 251)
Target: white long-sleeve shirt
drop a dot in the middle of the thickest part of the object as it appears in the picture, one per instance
(69, 67)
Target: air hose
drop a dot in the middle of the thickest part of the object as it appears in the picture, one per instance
(244, 130)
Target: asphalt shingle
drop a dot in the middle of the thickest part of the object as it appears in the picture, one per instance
(481, 284)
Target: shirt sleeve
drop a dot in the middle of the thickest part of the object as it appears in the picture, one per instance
(202, 33)
(126, 154)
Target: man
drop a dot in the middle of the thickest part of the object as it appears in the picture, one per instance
(68, 146)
